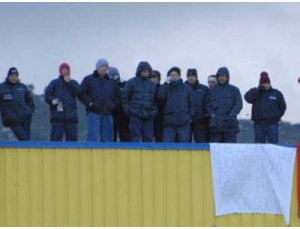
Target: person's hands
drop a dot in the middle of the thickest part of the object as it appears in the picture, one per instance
(55, 101)
(168, 80)
(262, 88)
(67, 78)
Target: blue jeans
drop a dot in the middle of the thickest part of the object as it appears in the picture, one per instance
(223, 137)
(100, 128)
(182, 134)
(58, 130)
(200, 132)
(22, 130)
(141, 128)
(264, 133)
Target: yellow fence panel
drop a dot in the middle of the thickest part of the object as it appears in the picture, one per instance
(114, 187)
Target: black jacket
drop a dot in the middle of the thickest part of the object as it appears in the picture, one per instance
(16, 103)
(66, 93)
(267, 106)
(179, 99)
(99, 94)
(200, 92)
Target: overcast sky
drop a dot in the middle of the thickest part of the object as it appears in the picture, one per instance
(248, 38)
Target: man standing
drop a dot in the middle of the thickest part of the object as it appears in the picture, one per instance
(268, 107)
(158, 120)
(138, 99)
(199, 124)
(121, 120)
(100, 95)
(61, 95)
(16, 105)
(223, 104)
(179, 107)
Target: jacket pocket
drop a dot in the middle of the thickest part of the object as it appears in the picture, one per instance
(9, 117)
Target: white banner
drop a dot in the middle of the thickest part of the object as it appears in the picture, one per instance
(252, 178)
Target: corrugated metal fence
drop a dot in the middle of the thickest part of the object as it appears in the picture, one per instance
(75, 184)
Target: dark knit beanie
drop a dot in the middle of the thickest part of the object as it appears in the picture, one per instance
(174, 69)
(12, 70)
(192, 72)
(264, 78)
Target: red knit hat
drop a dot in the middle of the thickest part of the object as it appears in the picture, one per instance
(264, 78)
(64, 65)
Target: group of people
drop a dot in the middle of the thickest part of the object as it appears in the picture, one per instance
(143, 109)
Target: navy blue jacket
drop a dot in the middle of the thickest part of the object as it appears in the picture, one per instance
(16, 103)
(99, 94)
(200, 92)
(160, 107)
(66, 92)
(267, 106)
(138, 97)
(223, 104)
(179, 101)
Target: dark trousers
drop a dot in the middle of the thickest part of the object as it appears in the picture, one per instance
(266, 133)
(158, 130)
(141, 128)
(223, 137)
(200, 132)
(59, 129)
(177, 134)
(121, 128)
(22, 130)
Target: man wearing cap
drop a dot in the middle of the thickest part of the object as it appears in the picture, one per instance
(212, 81)
(179, 107)
(268, 107)
(158, 120)
(121, 120)
(138, 99)
(100, 95)
(223, 104)
(199, 124)
(61, 95)
(16, 105)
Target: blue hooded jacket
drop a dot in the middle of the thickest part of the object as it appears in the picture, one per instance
(138, 96)
(223, 104)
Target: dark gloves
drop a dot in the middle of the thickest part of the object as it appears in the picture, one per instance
(231, 122)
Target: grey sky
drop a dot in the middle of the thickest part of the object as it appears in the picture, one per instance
(248, 38)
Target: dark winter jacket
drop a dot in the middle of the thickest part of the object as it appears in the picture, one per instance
(179, 103)
(99, 94)
(138, 97)
(200, 92)
(66, 92)
(267, 106)
(223, 104)
(160, 108)
(16, 103)
(119, 112)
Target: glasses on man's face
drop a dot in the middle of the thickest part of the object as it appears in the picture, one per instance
(211, 82)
